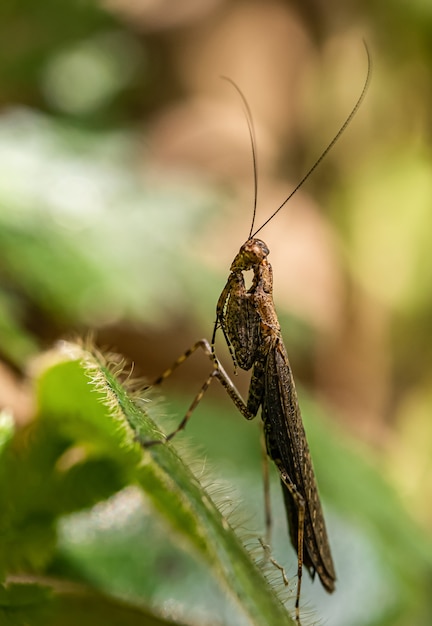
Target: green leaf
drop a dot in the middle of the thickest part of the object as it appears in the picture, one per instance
(24, 604)
(32, 604)
(82, 394)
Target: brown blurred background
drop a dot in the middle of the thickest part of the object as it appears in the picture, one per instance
(126, 189)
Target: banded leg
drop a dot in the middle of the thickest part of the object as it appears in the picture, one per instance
(266, 489)
(218, 372)
(300, 503)
(266, 543)
(202, 343)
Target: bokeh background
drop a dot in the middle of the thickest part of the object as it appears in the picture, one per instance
(126, 190)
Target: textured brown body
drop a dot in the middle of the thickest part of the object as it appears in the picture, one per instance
(251, 328)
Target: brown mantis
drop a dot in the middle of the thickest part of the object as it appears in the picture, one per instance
(250, 326)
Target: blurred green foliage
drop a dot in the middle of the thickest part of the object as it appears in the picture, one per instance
(122, 203)
(81, 449)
